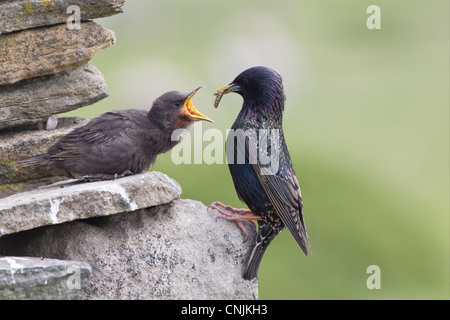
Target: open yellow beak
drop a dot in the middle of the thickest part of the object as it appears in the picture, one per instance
(191, 111)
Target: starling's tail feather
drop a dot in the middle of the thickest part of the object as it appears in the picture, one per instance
(264, 237)
(41, 159)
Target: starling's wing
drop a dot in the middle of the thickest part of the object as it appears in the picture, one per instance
(98, 132)
(285, 196)
(284, 193)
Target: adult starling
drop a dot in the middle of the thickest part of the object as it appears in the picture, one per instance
(271, 192)
(120, 143)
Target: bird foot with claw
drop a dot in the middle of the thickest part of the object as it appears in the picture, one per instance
(236, 215)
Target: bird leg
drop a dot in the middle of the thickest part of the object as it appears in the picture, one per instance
(236, 215)
(101, 177)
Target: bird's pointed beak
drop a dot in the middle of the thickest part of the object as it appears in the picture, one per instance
(224, 90)
(191, 111)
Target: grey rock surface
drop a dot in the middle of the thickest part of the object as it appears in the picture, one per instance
(71, 200)
(174, 251)
(24, 14)
(47, 50)
(36, 99)
(39, 279)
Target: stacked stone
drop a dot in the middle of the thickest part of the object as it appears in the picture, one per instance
(130, 238)
(45, 46)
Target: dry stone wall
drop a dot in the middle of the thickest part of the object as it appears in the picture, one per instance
(130, 238)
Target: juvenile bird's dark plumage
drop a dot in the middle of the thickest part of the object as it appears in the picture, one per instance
(271, 191)
(119, 143)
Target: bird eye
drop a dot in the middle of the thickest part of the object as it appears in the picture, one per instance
(178, 104)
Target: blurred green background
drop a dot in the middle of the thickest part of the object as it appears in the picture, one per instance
(366, 122)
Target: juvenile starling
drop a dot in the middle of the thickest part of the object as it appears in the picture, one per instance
(271, 193)
(120, 143)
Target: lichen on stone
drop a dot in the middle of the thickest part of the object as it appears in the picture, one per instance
(28, 7)
(8, 170)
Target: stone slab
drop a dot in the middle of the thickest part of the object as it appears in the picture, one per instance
(72, 200)
(178, 250)
(36, 99)
(47, 50)
(24, 14)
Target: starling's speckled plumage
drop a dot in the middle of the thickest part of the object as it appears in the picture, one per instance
(122, 142)
(276, 198)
